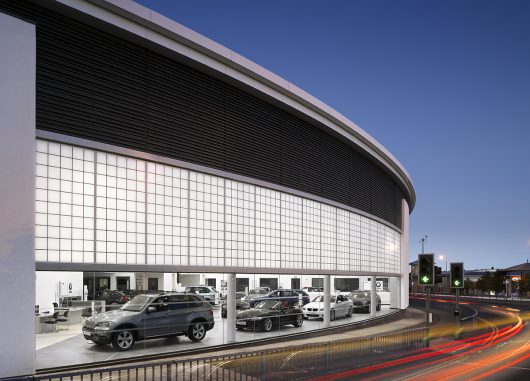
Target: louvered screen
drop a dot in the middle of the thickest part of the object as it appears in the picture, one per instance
(186, 113)
(89, 84)
(253, 136)
(336, 163)
(361, 182)
(302, 155)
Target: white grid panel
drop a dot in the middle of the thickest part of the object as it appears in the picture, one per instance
(312, 231)
(268, 228)
(120, 209)
(167, 215)
(240, 224)
(291, 231)
(150, 213)
(343, 240)
(207, 228)
(329, 236)
(64, 220)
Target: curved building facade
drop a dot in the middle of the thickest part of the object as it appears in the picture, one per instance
(142, 146)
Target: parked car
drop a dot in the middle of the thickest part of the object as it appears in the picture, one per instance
(149, 316)
(207, 292)
(269, 314)
(112, 297)
(361, 300)
(340, 306)
(291, 296)
(313, 292)
(132, 293)
(241, 304)
(257, 292)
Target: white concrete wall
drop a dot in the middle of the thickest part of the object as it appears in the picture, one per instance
(48, 291)
(17, 196)
(404, 294)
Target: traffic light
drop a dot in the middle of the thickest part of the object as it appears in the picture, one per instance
(426, 269)
(437, 274)
(457, 275)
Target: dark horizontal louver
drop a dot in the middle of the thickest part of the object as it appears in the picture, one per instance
(361, 182)
(253, 136)
(186, 113)
(336, 163)
(95, 85)
(301, 155)
(89, 83)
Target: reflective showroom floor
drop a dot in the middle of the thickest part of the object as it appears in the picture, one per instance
(67, 346)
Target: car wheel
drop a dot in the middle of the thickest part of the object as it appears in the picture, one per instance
(350, 312)
(123, 340)
(332, 315)
(298, 321)
(197, 331)
(267, 325)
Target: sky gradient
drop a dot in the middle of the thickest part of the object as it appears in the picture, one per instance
(444, 85)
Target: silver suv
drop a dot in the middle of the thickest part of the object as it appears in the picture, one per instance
(151, 316)
(207, 292)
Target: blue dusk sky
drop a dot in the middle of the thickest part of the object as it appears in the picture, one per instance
(444, 85)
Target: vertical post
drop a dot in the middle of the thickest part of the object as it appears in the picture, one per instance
(231, 308)
(404, 265)
(327, 300)
(17, 195)
(373, 299)
(428, 306)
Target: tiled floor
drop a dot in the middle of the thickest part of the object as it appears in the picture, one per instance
(68, 346)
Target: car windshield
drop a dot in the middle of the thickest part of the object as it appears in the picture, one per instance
(136, 304)
(358, 295)
(320, 299)
(268, 304)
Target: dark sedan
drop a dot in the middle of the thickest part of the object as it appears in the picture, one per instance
(361, 301)
(293, 297)
(241, 304)
(269, 314)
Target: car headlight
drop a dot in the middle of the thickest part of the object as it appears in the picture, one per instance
(104, 325)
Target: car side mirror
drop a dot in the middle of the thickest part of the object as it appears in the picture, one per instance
(151, 309)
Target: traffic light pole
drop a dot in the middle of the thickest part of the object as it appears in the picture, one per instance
(428, 306)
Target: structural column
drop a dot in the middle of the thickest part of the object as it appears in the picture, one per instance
(17, 196)
(327, 300)
(373, 299)
(404, 289)
(231, 308)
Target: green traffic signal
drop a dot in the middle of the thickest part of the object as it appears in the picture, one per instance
(426, 269)
(457, 275)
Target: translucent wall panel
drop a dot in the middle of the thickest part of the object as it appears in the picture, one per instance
(167, 215)
(120, 209)
(207, 214)
(329, 237)
(291, 212)
(107, 208)
(312, 244)
(268, 228)
(240, 224)
(64, 203)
